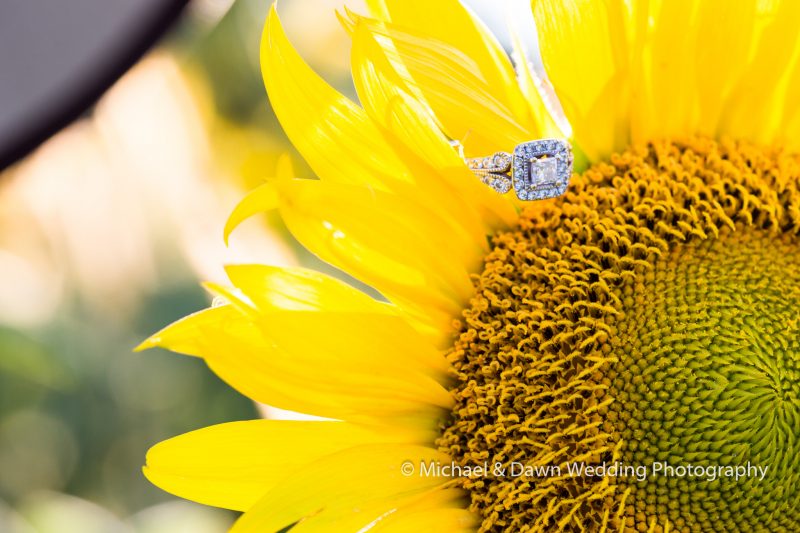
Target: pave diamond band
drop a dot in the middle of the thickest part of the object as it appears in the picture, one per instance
(536, 170)
(494, 171)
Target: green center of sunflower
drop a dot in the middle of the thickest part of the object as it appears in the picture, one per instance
(631, 358)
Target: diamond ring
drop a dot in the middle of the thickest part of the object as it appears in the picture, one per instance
(536, 170)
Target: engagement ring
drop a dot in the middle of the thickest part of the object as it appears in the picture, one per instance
(537, 170)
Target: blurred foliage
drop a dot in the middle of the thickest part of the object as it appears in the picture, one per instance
(79, 409)
(213, 49)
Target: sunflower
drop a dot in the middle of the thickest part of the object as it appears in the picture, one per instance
(646, 318)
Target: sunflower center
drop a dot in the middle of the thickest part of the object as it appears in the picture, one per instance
(648, 322)
(709, 376)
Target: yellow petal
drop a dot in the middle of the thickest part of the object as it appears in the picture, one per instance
(451, 520)
(754, 108)
(332, 133)
(542, 109)
(347, 481)
(790, 126)
(299, 289)
(231, 296)
(584, 47)
(260, 199)
(296, 289)
(465, 103)
(724, 36)
(475, 50)
(183, 336)
(405, 251)
(450, 22)
(335, 365)
(671, 84)
(437, 510)
(273, 288)
(441, 507)
(386, 96)
(233, 465)
(369, 342)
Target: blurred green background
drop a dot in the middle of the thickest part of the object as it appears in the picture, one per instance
(105, 232)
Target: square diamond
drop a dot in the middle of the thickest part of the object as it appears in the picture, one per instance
(543, 172)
